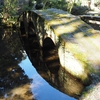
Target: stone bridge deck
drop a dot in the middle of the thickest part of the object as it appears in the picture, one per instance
(78, 43)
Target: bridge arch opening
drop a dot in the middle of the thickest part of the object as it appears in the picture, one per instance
(50, 55)
(22, 28)
(31, 29)
(48, 44)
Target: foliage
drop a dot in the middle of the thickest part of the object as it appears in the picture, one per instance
(10, 11)
(10, 7)
(61, 4)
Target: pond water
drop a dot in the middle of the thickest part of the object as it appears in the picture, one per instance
(19, 80)
(40, 88)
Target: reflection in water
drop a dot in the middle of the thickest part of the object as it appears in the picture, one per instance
(14, 84)
(46, 61)
(40, 88)
(59, 77)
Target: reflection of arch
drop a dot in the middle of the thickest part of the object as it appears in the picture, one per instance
(50, 55)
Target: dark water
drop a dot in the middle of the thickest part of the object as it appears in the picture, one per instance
(19, 79)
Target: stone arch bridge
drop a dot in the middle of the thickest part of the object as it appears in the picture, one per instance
(77, 43)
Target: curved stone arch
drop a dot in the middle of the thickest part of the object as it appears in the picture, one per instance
(52, 35)
(65, 30)
(44, 30)
(34, 22)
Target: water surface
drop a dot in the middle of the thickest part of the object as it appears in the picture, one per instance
(40, 88)
(19, 79)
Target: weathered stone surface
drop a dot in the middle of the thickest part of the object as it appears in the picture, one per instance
(78, 43)
(78, 46)
(92, 94)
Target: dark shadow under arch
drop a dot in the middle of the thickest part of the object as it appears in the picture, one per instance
(48, 44)
(50, 55)
(22, 28)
